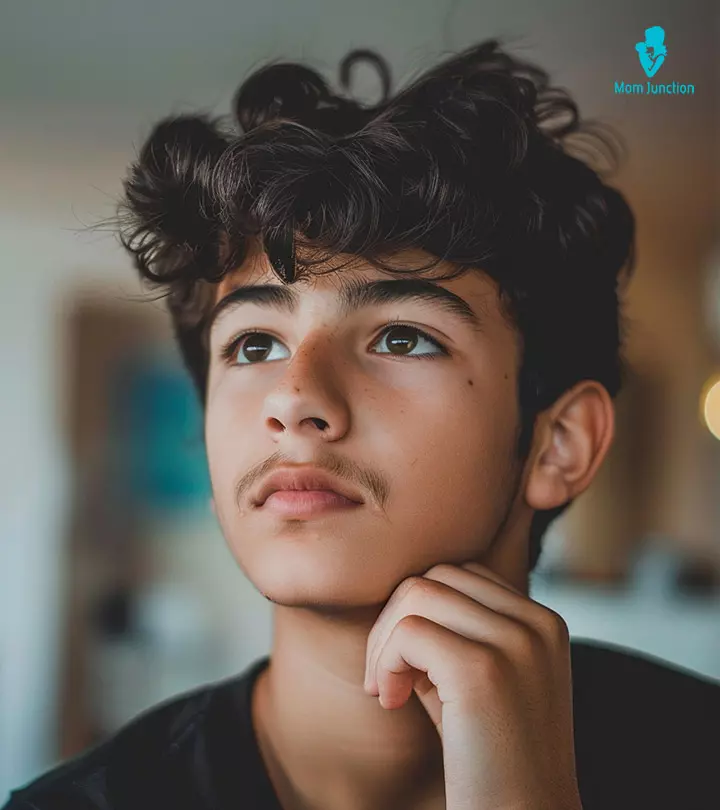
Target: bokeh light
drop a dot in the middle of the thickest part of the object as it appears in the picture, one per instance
(710, 405)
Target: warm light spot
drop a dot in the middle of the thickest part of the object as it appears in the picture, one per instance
(711, 406)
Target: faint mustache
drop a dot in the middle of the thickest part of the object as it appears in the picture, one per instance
(371, 482)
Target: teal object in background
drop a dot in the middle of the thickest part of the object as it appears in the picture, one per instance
(158, 434)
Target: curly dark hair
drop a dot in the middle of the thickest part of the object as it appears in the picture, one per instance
(478, 162)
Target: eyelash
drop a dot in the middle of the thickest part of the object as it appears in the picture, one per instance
(229, 350)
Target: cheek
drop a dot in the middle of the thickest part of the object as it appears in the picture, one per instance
(455, 422)
(448, 454)
(228, 452)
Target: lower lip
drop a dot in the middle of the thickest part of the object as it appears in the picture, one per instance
(306, 503)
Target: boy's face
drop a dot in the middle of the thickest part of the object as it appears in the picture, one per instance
(428, 442)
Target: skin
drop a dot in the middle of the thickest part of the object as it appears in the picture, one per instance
(430, 445)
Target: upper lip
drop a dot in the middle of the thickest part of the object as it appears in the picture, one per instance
(303, 478)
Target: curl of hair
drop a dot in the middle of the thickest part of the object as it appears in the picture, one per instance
(479, 162)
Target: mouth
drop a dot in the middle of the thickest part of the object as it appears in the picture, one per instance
(306, 503)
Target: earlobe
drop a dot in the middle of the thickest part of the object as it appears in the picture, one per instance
(572, 440)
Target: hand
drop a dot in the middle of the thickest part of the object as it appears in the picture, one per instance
(492, 669)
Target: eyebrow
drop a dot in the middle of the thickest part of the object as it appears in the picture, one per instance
(354, 295)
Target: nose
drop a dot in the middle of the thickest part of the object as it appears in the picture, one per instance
(308, 402)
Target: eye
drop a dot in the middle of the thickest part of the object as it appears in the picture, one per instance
(254, 349)
(402, 338)
(251, 348)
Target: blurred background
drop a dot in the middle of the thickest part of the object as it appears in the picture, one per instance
(116, 587)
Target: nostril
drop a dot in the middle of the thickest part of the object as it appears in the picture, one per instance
(321, 423)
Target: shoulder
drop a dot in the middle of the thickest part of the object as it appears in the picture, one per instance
(619, 675)
(128, 763)
(643, 726)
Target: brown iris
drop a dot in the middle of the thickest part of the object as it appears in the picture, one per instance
(399, 337)
(256, 347)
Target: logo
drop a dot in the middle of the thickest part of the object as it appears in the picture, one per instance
(652, 51)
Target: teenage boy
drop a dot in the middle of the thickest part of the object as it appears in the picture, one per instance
(403, 323)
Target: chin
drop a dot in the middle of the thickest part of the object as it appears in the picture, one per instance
(303, 577)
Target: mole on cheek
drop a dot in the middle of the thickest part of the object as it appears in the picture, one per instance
(470, 382)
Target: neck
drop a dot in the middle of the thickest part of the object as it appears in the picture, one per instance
(328, 744)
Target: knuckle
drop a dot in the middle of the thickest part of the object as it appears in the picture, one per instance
(528, 643)
(554, 628)
(418, 588)
(440, 570)
(401, 591)
(410, 584)
(410, 623)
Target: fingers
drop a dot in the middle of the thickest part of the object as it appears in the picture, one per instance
(548, 624)
(457, 573)
(471, 601)
(419, 645)
(448, 607)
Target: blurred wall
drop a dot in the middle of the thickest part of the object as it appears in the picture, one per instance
(80, 84)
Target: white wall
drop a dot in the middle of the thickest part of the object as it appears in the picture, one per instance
(80, 83)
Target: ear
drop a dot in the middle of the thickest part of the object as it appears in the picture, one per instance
(571, 441)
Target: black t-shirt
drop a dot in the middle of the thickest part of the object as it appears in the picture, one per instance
(646, 738)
